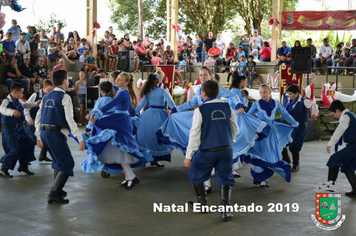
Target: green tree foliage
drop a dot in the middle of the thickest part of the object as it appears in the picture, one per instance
(48, 24)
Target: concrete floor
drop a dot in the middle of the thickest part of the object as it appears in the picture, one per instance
(99, 207)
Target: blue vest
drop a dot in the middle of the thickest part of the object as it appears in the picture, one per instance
(216, 128)
(52, 112)
(11, 120)
(349, 134)
(299, 112)
(34, 110)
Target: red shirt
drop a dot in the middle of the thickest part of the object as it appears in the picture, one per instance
(115, 49)
(266, 53)
(214, 51)
(232, 52)
(142, 49)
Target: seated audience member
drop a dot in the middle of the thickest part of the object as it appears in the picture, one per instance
(34, 48)
(81, 46)
(265, 52)
(43, 52)
(97, 77)
(283, 62)
(326, 52)
(168, 56)
(44, 38)
(240, 52)
(140, 52)
(41, 69)
(155, 60)
(297, 44)
(84, 65)
(76, 37)
(54, 53)
(71, 49)
(233, 68)
(346, 56)
(28, 71)
(102, 55)
(149, 51)
(60, 65)
(91, 61)
(147, 41)
(13, 74)
(242, 65)
(214, 56)
(313, 51)
(9, 48)
(22, 46)
(114, 54)
(350, 56)
(185, 53)
(180, 69)
(230, 52)
(286, 50)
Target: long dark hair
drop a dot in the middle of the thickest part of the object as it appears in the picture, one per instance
(236, 80)
(130, 88)
(106, 86)
(150, 85)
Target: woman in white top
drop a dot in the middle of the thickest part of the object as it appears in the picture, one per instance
(220, 44)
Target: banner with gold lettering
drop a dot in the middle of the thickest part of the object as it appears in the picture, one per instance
(318, 20)
(168, 80)
(285, 77)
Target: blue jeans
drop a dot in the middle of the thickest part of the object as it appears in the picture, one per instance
(253, 75)
(200, 56)
(9, 82)
(328, 62)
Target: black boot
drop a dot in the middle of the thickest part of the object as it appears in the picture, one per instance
(333, 173)
(55, 193)
(201, 197)
(156, 163)
(4, 172)
(225, 196)
(295, 156)
(285, 155)
(104, 174)
(62, 193)
(24, 167)
(43, 155)
(351, 177)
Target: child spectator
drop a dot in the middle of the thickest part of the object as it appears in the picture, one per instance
(233, 68)
(345, 158)
(149, 51)
(193, 54)
(113, 52)
(282, 62)
(42, 52)
(251, 70)
(297, 107)
(91, 61)
(255, 49)
(155, 60)
(242, 66)
(60, 66)
(346, 56)
(80, 91)
(13, 133)
(102, 54)
(210, 140)
(180, 69)
(336, 59)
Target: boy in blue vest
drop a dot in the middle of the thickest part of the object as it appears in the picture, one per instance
(56, 111)
(13, 132)
(30, 115)
(345, 158)
(298, 108)
(211, 136)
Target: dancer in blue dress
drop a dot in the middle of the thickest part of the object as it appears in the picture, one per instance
(237, 85)
(111, 145)
(265, 154)
(152, 119)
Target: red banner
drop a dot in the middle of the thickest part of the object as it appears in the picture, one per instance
(168, 80)
(285, 77)
(318, 20)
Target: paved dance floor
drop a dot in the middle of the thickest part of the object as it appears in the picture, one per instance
(99, 207)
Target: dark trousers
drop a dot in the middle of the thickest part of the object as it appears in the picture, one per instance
(17, 146)
(226, 63)
(345, 158)
(203, 163)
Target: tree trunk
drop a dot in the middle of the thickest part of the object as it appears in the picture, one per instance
(140, 19)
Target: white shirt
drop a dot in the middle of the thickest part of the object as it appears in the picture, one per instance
(307, 103)
(341, 128)
(10, 112)
(220, 44)
(23, 47)
(68, 112)
(195, 131)
(31, 100)
(326, 51)
(259, 40)
(82, 59)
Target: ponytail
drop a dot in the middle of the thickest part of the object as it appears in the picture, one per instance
(107, 87)
(132, 91)
(150, 85)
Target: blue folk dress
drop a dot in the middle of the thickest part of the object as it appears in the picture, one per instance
(175, 130)
(265, 154)
(111, 142)
(151, 120)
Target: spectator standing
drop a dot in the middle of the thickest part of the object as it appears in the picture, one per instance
(265, 52)
(22, 46)
(189, 43)
(111, 32)
(44, 38)
(180, 43)
(147, 41)
(199, 48)
(251, 70)
(351, 60)
(208, 43)
(59, 27)
(313, 51)
(30, 33)
(193, 54)
(255, 50)
(34, 48)
(15, 30)
(326, 52)
(256, 37)
(245, 43)
(220, 44)
(80, 91)
(114, 53)
(230, 52)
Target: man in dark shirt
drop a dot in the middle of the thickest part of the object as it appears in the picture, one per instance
(28, 71)
(41, 69)
(34, 46)
(185, 53)
(208, 43)
(245, 43)
(101, 74)
(13, 74)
